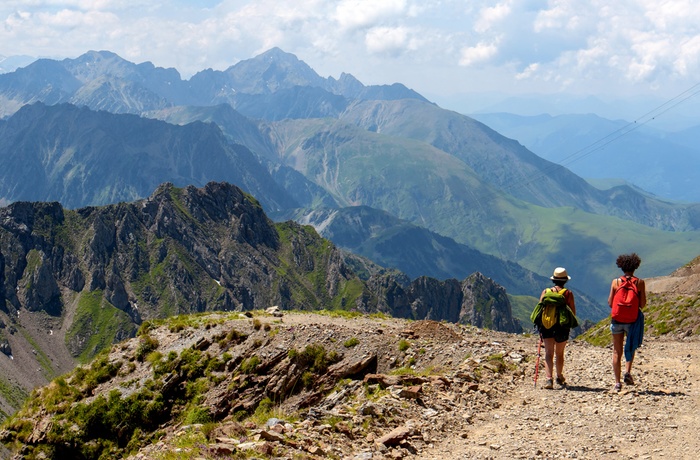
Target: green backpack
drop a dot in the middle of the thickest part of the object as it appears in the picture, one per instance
(553, 309)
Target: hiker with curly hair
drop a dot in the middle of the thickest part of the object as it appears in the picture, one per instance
(627, 298)
(556, 337)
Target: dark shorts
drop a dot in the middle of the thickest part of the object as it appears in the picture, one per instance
(559, 334)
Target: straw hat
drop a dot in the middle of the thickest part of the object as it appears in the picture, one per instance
(560, 274)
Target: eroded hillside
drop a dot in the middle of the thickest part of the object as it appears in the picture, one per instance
(304, 385)
(77, 281)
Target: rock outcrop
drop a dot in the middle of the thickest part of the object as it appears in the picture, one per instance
(193, 250)
(77, 281)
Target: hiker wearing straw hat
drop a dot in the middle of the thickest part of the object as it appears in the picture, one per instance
(556, 336)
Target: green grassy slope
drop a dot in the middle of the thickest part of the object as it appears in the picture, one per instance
(428, 187)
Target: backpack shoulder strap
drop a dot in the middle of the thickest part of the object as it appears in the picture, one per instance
(634, 281)
(561, 290)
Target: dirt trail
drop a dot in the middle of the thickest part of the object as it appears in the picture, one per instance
(656, 418)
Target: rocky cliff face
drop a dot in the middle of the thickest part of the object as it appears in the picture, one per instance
(477, 300)
(179, 251)
(193, 250)
(77, 281)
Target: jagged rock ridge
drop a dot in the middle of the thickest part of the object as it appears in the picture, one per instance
(189, 250)
(77, 281)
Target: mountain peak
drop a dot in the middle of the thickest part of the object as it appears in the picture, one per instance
(272, 71)
(102, 54)
(278, 54)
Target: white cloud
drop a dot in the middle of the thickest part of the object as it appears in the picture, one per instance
(562, 15)
(480, 53)
(386, 40)
(490, 16)
(687, 62)
(354, 14)
(529, 71)
(593, 45)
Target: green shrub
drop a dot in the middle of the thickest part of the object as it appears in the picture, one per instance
(194, 389)
(154, 357)
(233, 336)
(108, 424)
(314, 358)
(145, 328)
(307, 379)
(351, 342)
(215, 365)
(197, 414)
(146, 345)
(58, 395)
(192, 363)
(100, 371)
(265, 406)
(250, 365)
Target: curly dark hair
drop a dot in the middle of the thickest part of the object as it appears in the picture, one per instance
(628, 263)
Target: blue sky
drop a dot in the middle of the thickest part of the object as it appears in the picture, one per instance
(453, 52)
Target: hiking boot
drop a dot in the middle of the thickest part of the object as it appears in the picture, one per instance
(549, 385)
(561, 381)
(617, 387)
(628, 379)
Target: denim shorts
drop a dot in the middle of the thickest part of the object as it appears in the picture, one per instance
(619, 328)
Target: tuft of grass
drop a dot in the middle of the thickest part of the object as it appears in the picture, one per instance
(315, 357)
(147, 344)
(315, 360)
(403, 371)
(250, 365)
(197, 415)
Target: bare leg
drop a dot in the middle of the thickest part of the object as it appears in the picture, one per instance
(548, 357)
(618, 340)
(560, 358)
(628, 366)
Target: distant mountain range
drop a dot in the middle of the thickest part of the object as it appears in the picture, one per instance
(299, 142)
(11, 63)
(663, 162)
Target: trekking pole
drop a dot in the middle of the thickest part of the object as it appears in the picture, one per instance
(537, 362)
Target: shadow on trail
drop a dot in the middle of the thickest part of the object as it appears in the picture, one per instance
(586, 389)
(661, 393)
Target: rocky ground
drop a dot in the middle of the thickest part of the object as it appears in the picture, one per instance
(470, 395)
(656, 418)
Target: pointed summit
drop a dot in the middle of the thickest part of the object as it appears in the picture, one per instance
(272, 71)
